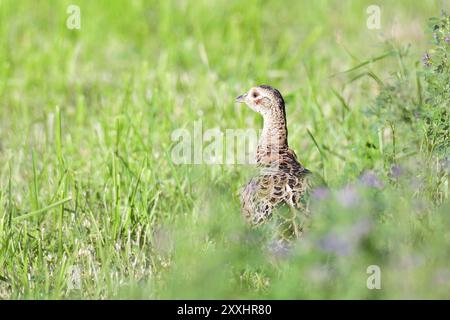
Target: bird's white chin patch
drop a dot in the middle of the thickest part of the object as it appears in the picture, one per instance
(254, 108)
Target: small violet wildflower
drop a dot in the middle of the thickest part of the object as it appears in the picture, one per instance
(348, 196)
(396, 171)
(321, 193)
(370, 179)
(426, 59)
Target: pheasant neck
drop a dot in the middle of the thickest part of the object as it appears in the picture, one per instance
(274, 133)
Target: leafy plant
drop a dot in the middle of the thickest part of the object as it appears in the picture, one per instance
(414, 106)
(436, 95)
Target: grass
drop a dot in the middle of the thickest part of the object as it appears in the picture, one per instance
(92, 206)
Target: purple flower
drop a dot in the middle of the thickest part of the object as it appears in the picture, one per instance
(370, 179)
(337, 244)
(447, 39)
(360, 230)
(344, 243)
(426, 59)
(348, 196)
(396, 171)
(321, 193)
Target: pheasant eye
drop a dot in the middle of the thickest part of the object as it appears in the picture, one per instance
(255, 94)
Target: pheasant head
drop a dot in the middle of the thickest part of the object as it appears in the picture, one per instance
(269, 102)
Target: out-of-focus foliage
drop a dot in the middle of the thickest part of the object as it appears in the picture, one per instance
(92, 205)
(413, 109)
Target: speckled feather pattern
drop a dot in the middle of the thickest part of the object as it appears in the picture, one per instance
(282, 179)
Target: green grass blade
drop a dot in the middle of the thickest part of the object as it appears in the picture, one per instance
(37, 212)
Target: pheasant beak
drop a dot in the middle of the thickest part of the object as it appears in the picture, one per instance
(241, 98)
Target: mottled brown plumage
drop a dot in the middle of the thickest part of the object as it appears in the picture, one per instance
(282, 178)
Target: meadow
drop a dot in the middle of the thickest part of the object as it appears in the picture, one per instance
(92, 205)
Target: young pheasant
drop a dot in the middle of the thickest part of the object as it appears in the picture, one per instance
(282, 180)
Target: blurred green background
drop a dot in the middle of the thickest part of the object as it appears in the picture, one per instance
(92, 206)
